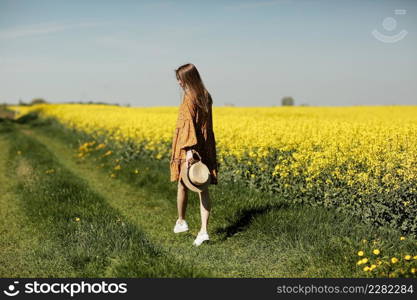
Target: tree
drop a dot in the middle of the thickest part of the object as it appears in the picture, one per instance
(38, 101)
(287, 101)
(23, 103)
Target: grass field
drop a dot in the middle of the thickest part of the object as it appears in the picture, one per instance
(62, 216)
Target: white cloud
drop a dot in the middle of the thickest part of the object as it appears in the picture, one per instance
(43, 28)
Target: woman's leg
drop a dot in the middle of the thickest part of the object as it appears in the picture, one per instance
(182, 198)
(204, 209)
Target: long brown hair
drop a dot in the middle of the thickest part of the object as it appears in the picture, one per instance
(191, 78)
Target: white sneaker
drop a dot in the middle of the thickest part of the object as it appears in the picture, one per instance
(180, 227)
(201, 237)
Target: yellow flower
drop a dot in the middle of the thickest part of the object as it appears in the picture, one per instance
(364, 241)
(100, 146)
(376, 251)
(402, 238)
(379, 262)
(372, 267)
(136, 171)
(108, 153)
(413, 270)
(77, 219)
(394, 260)
(366, 268)
(407, 257)
(362, 261)
(118, 167)
(360, 253)
(415, 257)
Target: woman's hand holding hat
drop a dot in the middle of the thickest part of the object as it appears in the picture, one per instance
(189, 157)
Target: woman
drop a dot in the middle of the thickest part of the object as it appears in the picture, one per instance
(194, 131)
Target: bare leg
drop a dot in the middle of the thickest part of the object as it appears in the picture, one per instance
(182, 198)
(204, 209)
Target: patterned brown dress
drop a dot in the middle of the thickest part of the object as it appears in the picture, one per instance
(193, 130)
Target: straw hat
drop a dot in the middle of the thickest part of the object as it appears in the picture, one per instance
(197, 176)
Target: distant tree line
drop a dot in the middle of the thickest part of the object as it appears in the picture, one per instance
(285, 101)
(43, 101)
(90, 102)
(289, 101)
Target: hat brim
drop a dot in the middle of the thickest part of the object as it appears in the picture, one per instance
(188, 183)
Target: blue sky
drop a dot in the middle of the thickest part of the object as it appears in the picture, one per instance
(249, 53)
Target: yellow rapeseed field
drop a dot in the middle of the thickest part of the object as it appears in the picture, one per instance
(380, 139)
